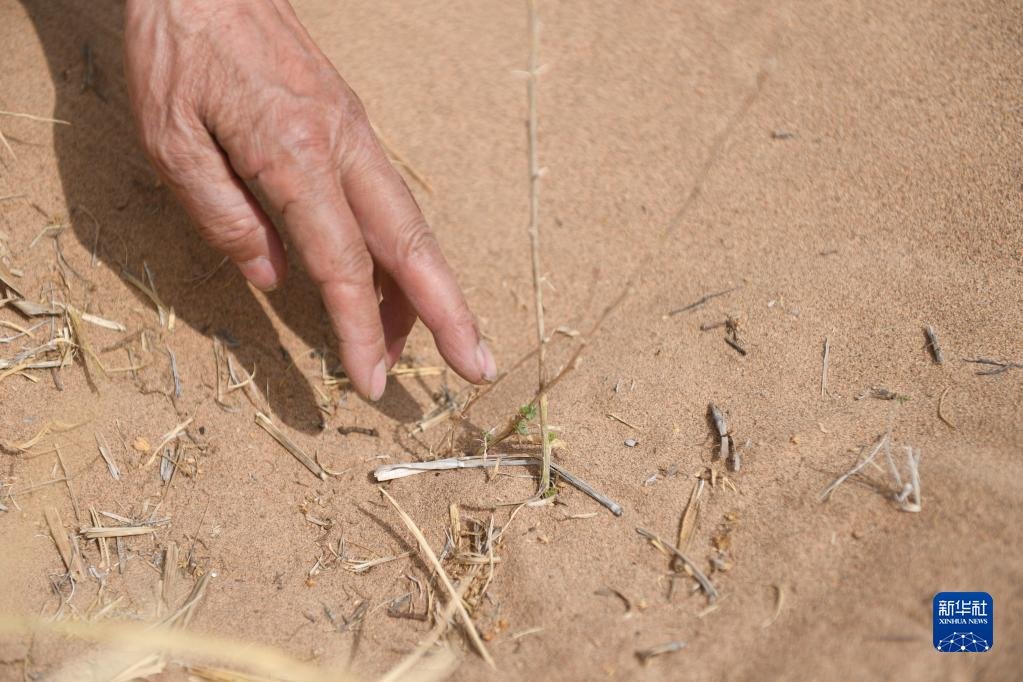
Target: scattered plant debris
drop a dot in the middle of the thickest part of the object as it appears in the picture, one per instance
(644, 655)
(932, 344)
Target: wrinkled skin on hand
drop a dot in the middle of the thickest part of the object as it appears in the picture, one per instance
(236, 91)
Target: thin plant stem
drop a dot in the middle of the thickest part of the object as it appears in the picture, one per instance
(534, 241)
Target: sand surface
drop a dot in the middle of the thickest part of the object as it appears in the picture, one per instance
(854, 170)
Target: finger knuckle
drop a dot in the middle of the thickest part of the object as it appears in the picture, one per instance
(351, 268)
(230, 233)
(351, 109)
(325, 134)
(416, 244)
(305, 140)
(296, 160)
(346, 108)
(358, 140)
(166, 137)
(356, 265)
(169, 154)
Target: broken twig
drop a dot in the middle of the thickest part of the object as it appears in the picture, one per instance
(932, 344)
(297, 452)
(390, 472)
(882, 441)
(701, 301)
(722, 428)
(670, 550)
(941, 405)
(824, 367)
(998, 365)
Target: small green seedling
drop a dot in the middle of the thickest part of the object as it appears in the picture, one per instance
(528, 413)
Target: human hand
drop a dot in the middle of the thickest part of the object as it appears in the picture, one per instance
(235, 91)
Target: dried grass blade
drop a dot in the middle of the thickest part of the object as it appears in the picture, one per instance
(101, 543)
(881, 442)
(363, 565)
(94, 532)
(170, 572)
(150, 293)
(33, 309)
(47, 429)
(779, 601)
(182, 644)
(98, 321)
(428, 553)
(7, 279)
(104, 451)
(705, 583)
(285, 442)
(60, 538)
(91, 360)
(691, 515)
(33, 117)
(167, 438)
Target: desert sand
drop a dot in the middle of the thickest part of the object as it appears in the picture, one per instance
(849, 172)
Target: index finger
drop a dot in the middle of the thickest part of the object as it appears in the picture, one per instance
(334, 254)
(401, 241)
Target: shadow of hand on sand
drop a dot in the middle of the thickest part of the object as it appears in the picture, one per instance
(104, 172)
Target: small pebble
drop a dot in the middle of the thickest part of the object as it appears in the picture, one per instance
(631, 442)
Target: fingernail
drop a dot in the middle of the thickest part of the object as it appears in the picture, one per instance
(260, 273)
(378, 382)
(485, 361)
